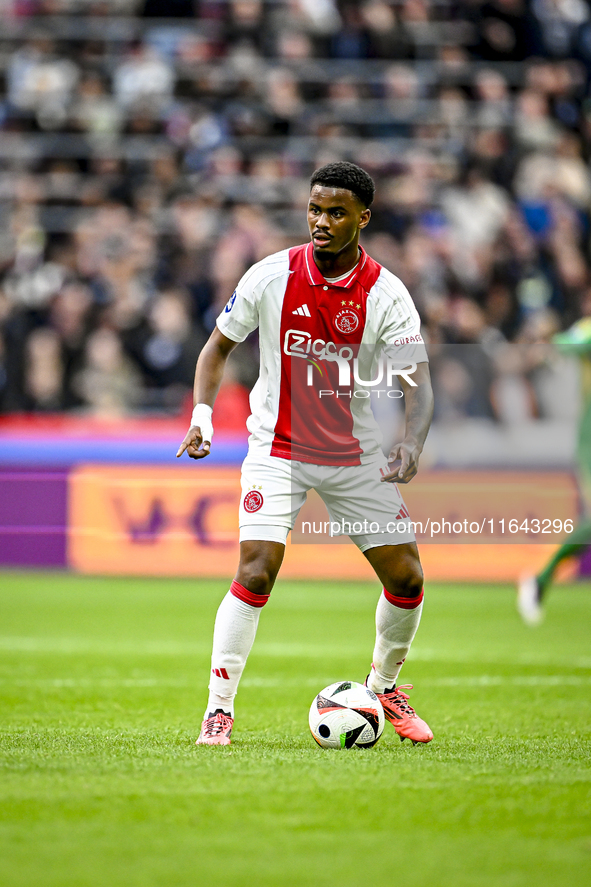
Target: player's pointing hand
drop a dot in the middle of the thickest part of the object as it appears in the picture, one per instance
(194, 444)
(197, 440)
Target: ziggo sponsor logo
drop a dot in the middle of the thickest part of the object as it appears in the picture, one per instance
(301, 344)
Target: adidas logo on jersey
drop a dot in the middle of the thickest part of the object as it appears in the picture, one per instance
(303, 311)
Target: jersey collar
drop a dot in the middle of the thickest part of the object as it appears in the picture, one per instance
(316, 278)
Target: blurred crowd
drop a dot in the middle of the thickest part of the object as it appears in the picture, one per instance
(150, 152)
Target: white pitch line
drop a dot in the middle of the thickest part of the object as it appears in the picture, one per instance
(272, 649)
(475, 681)
(485, 680)
(77, 645)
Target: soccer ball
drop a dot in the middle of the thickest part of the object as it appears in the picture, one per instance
(346, 715)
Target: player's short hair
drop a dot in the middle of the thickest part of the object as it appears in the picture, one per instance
(343, 174)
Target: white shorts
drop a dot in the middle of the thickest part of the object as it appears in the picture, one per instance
(359, 505)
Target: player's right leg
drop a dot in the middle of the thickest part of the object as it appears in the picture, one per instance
(234, 632)
(271, 498)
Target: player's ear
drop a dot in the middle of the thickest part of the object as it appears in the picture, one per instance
(364, 218)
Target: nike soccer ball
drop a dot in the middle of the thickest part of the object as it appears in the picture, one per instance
(346, 715)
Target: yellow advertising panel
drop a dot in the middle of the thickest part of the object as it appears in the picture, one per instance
(153, 520)
(160, 521)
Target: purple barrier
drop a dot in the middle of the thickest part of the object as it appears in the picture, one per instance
(33, 516)
(59, 451)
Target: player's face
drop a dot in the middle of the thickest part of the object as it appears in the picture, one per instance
(335, 219)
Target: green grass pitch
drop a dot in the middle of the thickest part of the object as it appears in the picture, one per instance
(102, 691)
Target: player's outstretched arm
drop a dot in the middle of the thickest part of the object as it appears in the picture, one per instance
(418, 411)
(208, 378)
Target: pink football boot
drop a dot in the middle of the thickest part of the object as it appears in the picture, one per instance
(403, 717)
(216, 729)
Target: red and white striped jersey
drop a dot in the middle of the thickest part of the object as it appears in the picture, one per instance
(300, 408)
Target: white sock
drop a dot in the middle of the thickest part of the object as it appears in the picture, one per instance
(234, 632)
(397, 620)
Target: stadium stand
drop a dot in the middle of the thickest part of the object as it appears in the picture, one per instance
(150, 152)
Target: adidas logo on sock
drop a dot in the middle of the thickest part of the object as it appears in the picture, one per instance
(303, 311)
(221, 673)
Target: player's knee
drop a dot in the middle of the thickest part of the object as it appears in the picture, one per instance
(256, 577)
(407, 579)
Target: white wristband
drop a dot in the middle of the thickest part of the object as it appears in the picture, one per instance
(201, 417)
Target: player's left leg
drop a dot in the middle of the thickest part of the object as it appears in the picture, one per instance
(375, 516)
(399, 609)
(397, 619)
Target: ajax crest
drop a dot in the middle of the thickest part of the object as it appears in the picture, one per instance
(346, 321)
(253, 501)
